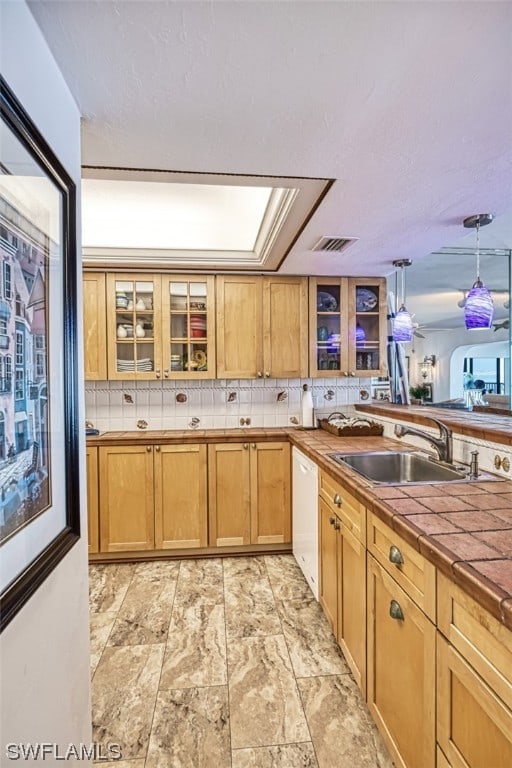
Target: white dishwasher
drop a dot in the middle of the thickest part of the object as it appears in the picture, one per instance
(305, 517)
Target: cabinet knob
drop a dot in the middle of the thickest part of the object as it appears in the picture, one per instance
(337, 499)
(267, 374)
(254, 445)
(157, 449)
(337, 525)
(157, 373)
(259, 374)
(332, 520)
(395, 555)
(166, 374)
(352, 373)
(245, 446)
(395, 611)
(148, 448)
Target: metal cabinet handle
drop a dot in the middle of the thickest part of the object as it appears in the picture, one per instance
(395, 555)
(245, 446)
(148, 448)
(337, 499)
(395, 611)
(332, 520)
(157, 448)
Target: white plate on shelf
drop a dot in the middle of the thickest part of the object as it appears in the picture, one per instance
(366, 300)
(325, 302)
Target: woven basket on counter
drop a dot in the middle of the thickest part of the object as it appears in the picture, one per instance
(355, 427)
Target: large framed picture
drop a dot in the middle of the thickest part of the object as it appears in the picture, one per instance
(39, 479)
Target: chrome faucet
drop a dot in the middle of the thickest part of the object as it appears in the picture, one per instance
(442, 444)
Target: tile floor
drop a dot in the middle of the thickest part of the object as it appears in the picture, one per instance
(222, 663)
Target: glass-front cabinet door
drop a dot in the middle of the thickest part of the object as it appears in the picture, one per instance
(367, 327)
(133, 327)
(328, 303)
(188, 327)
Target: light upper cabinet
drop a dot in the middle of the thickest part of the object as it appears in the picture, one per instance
(261, 327)
(160, 327)
(347, 329)
(95, 330)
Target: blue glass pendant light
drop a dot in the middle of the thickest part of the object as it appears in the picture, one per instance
(479, 306)
(402, 322)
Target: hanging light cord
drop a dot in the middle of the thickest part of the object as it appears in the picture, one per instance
(478, 252)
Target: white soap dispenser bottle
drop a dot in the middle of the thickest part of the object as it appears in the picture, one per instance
(307, 407)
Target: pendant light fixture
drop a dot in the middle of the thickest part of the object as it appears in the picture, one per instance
(479, 307)
(402, 322)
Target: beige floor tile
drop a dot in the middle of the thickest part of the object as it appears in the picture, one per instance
(124, 691)
(146, 610)
(121, 764)
(286, 578)
(108, 585)
(100, 627)
(201, 578)
(196, 651)
(284, 756)
(190, 729)
(264, 702)
(342, 730)
(250, 605)
(311, 643)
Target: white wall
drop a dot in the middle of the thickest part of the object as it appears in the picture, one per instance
(45, 690)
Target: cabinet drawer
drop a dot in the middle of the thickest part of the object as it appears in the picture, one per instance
(410, 569)
(350, 511)
(474, 726)
(479, 637)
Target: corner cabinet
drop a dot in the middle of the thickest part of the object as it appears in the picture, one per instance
(347, 327)
(160, 327)
(249, 494)
(262, 327)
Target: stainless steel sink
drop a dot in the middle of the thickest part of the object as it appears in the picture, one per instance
(399, 468)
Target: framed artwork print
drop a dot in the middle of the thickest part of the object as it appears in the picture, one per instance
(39, 480)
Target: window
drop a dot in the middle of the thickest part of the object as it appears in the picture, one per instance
(7, 281)
(14, 241)
(40, 365)
(19, 348)
(19, 391)
(3, 326)
(8, 366)
(39, 341)
(3, 232)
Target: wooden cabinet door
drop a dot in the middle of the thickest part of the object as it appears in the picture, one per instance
(328, 556)
(285, 327)
(474, 726)
(239, 327)
(328, 326)
(367, 326)
(401, 671)
(134, 326)
(126, 498)
(95, 326)
(181, 518)
(351, 632)
(92, 499)
(270, 493)
(229, 494)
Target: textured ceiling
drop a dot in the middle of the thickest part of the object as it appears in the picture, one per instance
(408, 105)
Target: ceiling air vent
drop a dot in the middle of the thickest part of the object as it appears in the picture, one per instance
(334, 244)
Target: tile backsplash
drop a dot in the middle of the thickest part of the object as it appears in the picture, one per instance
(216, 403)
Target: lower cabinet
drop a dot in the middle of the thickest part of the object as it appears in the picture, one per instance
(474, 691)
(152, 497)
(342, 592)
(249, 493)
(401, 671)
(92, 500)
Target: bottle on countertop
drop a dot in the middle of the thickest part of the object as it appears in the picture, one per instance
(307, 407)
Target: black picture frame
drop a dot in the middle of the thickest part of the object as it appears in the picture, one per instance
(34, 570)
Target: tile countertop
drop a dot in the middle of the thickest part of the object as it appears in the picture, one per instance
(485, 426)
(464, 529)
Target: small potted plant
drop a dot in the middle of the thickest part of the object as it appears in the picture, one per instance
(418, 393)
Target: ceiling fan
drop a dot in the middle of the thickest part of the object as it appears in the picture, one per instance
(417, 327)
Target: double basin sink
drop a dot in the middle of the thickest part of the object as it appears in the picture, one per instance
(400, 468)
